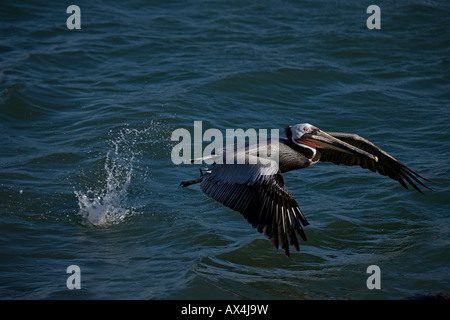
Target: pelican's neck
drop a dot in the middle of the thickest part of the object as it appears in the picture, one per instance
(294, 157)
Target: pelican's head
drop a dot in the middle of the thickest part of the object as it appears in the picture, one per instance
(310, 137)
(296, 133)
(299, 130)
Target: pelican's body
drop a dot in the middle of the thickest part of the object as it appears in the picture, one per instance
(257, 190)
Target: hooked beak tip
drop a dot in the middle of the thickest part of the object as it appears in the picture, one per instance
(334, 143)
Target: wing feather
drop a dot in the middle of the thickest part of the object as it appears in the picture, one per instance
(386, 164)
(260, 197)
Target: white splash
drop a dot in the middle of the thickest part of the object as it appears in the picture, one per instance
(109, 204)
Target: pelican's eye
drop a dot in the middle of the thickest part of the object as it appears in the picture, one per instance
(307, 129)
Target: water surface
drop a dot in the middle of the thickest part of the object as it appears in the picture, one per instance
(86, 118)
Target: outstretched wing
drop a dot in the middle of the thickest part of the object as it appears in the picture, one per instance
(386, 164)
(258, 192)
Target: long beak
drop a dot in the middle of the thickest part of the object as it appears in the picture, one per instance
(322, 140)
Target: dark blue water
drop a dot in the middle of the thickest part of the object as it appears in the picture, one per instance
(86, 118)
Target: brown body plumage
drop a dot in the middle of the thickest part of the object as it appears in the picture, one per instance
(258, 191)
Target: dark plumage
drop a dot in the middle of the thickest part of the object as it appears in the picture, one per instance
(258, 192)
(386, 164)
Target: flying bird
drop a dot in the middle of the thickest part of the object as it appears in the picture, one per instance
(258, 192)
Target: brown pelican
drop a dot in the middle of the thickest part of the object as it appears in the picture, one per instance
(258, 192)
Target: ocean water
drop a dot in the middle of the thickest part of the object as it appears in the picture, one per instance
(86, 176)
